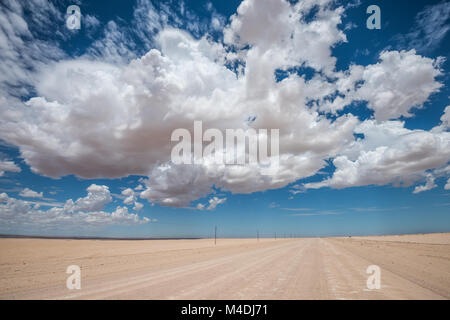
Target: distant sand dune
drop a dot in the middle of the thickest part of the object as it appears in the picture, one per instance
(436, 238)
(412, 267)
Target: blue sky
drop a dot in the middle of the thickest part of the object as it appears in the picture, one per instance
(85, 116)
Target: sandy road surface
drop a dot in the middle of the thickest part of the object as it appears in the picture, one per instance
(234, 269)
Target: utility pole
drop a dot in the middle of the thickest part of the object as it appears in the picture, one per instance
(215, 235)
(257, 235)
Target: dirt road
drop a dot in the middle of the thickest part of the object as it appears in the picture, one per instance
(234, 269)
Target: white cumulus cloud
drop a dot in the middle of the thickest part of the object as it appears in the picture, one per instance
(84, 212)
(212, 203)
(389, 153)
(28, 193)
(110, 112)
(447, 185)
(427, 186)
(8, 166)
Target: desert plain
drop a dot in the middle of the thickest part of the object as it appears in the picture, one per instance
(412, 267)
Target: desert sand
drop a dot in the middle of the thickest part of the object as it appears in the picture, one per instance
(412, 267)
